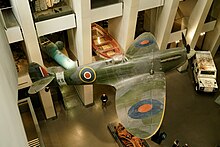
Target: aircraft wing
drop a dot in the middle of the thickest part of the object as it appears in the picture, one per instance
(140, 103)
(143, 44)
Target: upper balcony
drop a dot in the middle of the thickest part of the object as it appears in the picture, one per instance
(149, 4)
(111, 9)
(11, 25)
(53, 17)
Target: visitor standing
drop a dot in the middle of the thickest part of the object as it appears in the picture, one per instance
(104, 99)
(176, 143)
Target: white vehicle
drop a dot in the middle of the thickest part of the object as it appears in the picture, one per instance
(204, 72)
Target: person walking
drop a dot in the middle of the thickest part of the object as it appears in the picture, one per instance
(176, 143)
(104, 99)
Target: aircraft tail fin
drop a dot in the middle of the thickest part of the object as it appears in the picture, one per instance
(37, 72)
(39, 76)
(142, 45)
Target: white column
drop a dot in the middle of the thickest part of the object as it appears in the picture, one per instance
(83, 52)
(29, 32)
(165, 22)
(85, 93)
(123, 28)
(212, 39)
(196, 21)
(32, 48)
(149, 20)
(47, 104)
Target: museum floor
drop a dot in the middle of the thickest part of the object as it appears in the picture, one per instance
(190, 117)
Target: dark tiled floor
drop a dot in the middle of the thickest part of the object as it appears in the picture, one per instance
(191, 117)
(81, 126)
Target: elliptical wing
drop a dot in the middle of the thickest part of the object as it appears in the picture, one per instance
(140, 103)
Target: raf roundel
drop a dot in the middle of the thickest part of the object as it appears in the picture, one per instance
(144, 42)
(87, 75)
(145, 108)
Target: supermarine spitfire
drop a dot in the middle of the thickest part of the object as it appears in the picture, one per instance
(139, 80)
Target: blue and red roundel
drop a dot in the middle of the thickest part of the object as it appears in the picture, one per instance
(145, 108)
(87, 75)
(143, 43)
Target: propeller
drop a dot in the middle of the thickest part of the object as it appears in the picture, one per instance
(187, 46)
(190, 54)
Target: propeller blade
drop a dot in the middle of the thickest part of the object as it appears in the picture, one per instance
(184, 40)
(187, 48)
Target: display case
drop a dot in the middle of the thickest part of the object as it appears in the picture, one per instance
(48, 14)
(47, 9)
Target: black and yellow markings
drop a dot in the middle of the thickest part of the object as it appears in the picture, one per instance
(87, 75)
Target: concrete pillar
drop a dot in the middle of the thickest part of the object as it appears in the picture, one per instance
(24, 15)
(82, 34)
(149, 20)
(196, 21)
(123, 28)
(212, 38)
(153, 21)
(47, 104)
(29, 32)
(85, 93)
(165, 22)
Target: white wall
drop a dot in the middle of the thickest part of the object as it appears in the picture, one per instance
(11, 128)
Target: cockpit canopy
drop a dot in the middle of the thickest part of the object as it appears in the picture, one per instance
(118, 58)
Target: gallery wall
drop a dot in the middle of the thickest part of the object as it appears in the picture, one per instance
(11, 128)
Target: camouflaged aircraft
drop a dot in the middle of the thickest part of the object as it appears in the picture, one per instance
(138, 77)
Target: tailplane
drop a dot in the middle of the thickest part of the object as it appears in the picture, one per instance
(40, 84)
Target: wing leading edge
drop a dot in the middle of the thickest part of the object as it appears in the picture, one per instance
(140, 103)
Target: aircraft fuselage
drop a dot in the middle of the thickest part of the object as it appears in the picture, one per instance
(106, 70)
